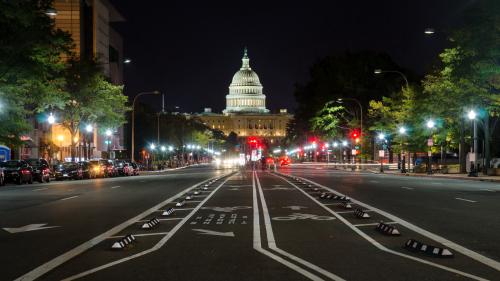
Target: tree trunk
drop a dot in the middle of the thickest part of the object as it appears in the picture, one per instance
(461, 149)
(487, 156)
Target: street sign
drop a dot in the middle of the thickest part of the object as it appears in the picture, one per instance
(381, 153)
(430, 142)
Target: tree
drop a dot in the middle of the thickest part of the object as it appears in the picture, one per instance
(89, 98)
(329, 121)
(30, 65)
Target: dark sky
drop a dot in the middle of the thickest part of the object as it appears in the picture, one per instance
(190, 50)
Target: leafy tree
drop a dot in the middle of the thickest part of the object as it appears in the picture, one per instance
(30, 65)
(329, 121)
(89, 98)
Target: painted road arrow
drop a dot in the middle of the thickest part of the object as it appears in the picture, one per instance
(29, 227)
(295, 208)
(216, 233)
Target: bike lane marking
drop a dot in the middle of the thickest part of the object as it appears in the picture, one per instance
(59, 260)
(257, 241)
(366, 236)
(271, 242)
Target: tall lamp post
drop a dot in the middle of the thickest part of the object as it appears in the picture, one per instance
(108, 141)
(430, 125)
(380, 71)
(402, 133)
(381, 138)
(133, 119)
(89, 129)
(51, 120)
(473, 157)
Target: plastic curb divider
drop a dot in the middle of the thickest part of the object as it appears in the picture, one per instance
(168, 212)
(361, 214)
(387, 229)
(124, 242)
(417, 246)
(151, 223)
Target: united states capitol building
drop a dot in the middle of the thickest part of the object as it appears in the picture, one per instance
(246, 113)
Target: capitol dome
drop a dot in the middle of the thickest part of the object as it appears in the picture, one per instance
(245, 91)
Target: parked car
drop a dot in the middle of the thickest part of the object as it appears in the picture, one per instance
(69, 170)
(109, 168)
(97, 168)
(87, 171)
(135, 169)
(2, 177)
(41, 170)
(123, 168)
(17, 171)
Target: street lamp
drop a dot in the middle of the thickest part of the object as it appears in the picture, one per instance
(51, 12)
(402, 132)
(429, 31)
(51, 119)
(472, 116)
(380, 71)
(430, 125)
(108, 141)
(133, 119)
(127, 61)
(89, 129)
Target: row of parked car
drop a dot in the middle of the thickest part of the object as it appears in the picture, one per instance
(30, 170)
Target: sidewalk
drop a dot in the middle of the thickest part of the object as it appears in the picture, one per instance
(480, 177)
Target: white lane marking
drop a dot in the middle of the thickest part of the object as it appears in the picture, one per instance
(490, 262)
(372, 224)
(294, 208)
(48, 266)
(437, 183)
(140, 235)
(485, 189)
(155, 247)
(214, 233)
(347, 212)
(406, 187)
(372, 181)
(466, 200)
(115, 186)
(194, 201)
(272, 242)
(40, 189)
(29, 227)
(71, 197)
(166, 219)
(257, 242)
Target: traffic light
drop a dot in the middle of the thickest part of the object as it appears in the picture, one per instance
(355, 134)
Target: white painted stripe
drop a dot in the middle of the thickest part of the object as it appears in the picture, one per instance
(150, 250)
(115, 186)
(466, 200)
(71, 197)
(332, 204)
(272, 243)
(194, 201)
(50, 265)
(40, 189)
(485, 189)
(372, 224)
(406, 187)
(257, 242)
(139, 235)
(439, 239)
(166, 219)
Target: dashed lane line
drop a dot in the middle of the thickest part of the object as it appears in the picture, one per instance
(166, 219)
(271, 242)
(408, 188)
(50, 265)
(466, 200)
(393, 218)
(116, 186)
(68, 198)
(40, 189)
(156, 247)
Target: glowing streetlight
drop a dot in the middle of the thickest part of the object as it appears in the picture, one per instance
(163, 148)
(327, 145)
(344, 143)
(170, 148)
(402, 130)
(127, 61)
(377, 71)
(472, 115)
(429, 31)
(89, 128)
(152, 146)
(51, 12)
(381, 136)
(109, 132)
(60, 138)
(430, 124)
(335, 144)
(51, 119)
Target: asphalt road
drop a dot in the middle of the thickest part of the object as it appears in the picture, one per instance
(244, 225)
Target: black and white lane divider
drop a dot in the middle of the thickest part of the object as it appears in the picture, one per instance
(180, 203)
(346, 205)
(361, 214)
(188, 197)
(196, 192)
(387, 229)
(168, 212)
(150, 224)
(417, 246)
(331, 196)
(124, 242)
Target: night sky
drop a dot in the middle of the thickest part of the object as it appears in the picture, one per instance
(190, 50)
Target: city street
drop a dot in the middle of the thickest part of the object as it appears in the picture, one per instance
(244, 225)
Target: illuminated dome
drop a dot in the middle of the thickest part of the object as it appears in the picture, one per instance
(245, 91)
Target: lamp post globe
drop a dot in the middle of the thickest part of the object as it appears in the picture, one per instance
(51, 119)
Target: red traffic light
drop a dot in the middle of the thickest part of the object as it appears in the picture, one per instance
(355, 134)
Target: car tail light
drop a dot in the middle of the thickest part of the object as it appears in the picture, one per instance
(26, 172)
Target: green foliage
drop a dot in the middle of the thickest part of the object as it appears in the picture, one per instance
(328, 120)
(30, 65)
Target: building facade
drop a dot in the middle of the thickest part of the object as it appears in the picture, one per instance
(246, 113)
(89, 24)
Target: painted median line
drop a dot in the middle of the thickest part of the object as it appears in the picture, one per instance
(376, 243)
(68, 198)
(52, 264)
(466, 200)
